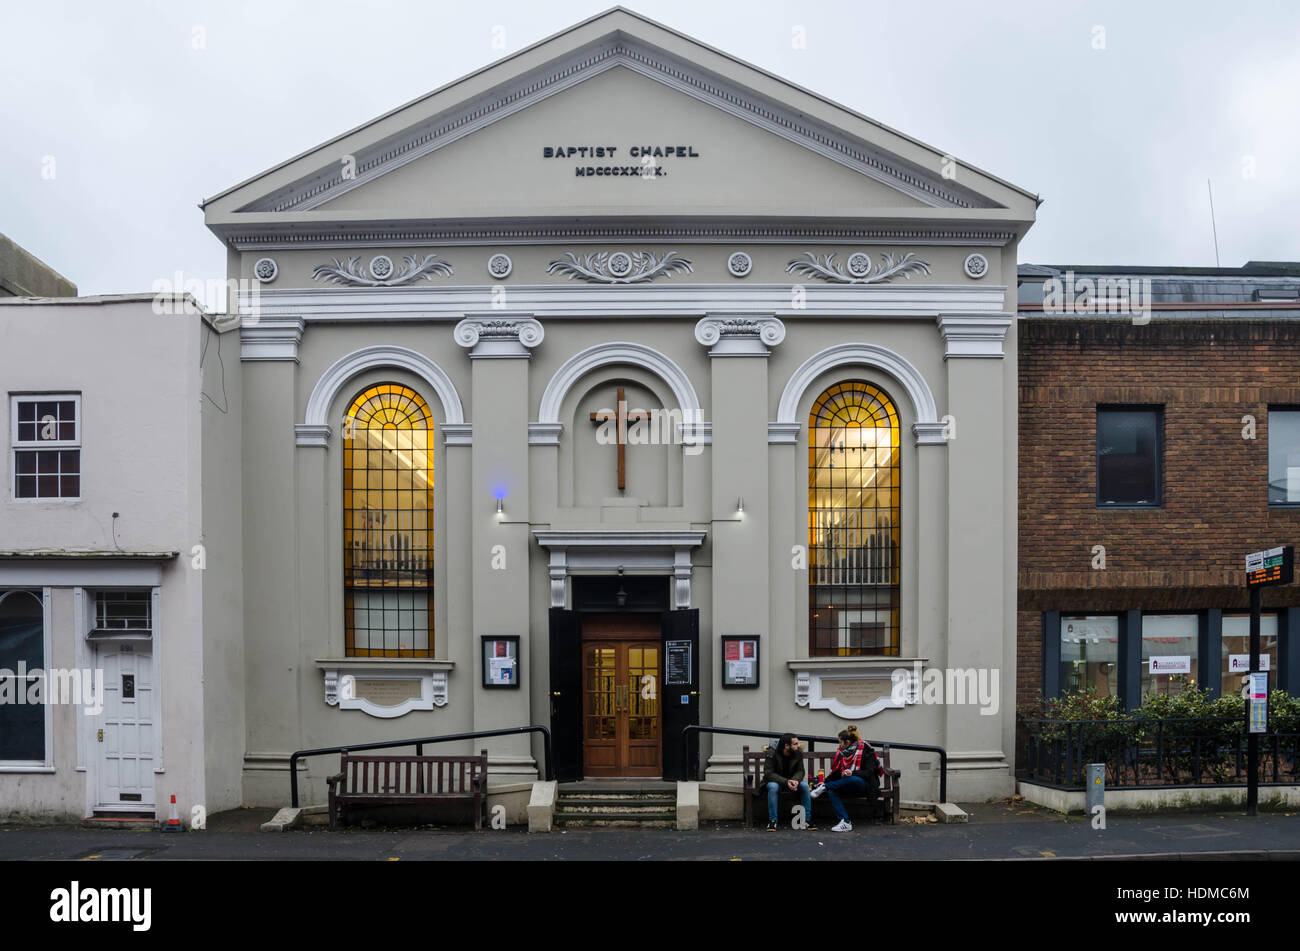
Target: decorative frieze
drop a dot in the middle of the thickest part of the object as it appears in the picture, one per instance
(858, 268)
(620, 267)
(381, 272)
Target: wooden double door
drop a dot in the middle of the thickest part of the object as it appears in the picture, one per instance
(622, 658)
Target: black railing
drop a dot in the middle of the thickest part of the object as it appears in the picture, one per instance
(419, 745)
(812, 741)
(1165, 751)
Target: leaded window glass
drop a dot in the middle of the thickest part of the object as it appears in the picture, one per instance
(853, 522)
(388, 524)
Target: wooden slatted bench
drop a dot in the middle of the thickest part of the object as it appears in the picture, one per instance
(408, 781)
(885, 807)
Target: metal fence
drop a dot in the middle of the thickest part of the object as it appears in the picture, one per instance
(1157, 752)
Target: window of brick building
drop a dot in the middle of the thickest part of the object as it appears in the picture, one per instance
(1284, 456)
(1169, 649)
(1130, 446)
(1090, 653)
(1234, 662)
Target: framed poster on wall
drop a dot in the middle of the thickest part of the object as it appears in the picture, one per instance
(501, 661)
(740, 660)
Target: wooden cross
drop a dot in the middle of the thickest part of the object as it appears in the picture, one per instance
(622, 418)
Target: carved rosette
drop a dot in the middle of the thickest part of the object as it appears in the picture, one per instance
(859, 269)
(499, 337)
(620, 267)
(739, 335)
(381, 271)
(976, 266)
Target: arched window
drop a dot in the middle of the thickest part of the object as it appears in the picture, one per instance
(853, 522)
(388, 524)
(23, 738)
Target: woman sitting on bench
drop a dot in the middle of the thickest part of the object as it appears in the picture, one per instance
(852, 772)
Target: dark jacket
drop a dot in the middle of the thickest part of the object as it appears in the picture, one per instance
(868, 769)
(781, 769)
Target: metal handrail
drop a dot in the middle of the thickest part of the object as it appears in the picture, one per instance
(419, 749)
(728, 731)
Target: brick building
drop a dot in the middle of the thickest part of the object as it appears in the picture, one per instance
(1157, 448)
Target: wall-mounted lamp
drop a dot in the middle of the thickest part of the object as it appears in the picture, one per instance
(501, 508)
(740, 506)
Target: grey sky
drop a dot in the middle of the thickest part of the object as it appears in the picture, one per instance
(148, 107)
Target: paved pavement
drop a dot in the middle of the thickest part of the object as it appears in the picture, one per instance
(998, 830)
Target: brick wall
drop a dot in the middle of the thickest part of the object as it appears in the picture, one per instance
(1188, 554)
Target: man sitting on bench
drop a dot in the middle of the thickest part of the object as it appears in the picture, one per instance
(783, 767)
(853, 773)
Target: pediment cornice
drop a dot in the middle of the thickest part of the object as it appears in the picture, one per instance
(332, 178)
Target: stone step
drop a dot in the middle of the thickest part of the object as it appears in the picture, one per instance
(597, 819)
(617, 809)
(598, 798)
(120, 822)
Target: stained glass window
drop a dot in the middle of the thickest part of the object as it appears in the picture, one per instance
(388, 524)
(853, 523)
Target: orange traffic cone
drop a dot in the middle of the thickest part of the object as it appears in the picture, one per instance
(174, 821)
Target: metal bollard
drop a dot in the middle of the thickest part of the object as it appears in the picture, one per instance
(1095, 792)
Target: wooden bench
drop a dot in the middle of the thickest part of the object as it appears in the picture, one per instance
(408, 781)
(884, 808)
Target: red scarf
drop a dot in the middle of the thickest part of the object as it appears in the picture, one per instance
(848, 761)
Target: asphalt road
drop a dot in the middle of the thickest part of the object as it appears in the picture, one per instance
(1000, 830)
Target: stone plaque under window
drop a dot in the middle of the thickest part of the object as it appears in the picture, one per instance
(857, 691)
(386, 692)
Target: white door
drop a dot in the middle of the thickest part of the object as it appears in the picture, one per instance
(123, 738)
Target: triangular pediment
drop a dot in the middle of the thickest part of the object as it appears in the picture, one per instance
(725, 138)
(587, 146)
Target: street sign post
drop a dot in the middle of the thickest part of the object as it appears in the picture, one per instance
(1264, 569)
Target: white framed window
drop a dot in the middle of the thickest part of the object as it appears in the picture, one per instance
(25, 717)
(45, 443)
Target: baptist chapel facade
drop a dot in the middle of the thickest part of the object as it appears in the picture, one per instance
(616, 387)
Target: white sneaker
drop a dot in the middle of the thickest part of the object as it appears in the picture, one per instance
(817, 792)
(844, 826)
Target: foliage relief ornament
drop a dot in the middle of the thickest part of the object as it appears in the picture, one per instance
(859, 268)
(381, 273)
(602, 267)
